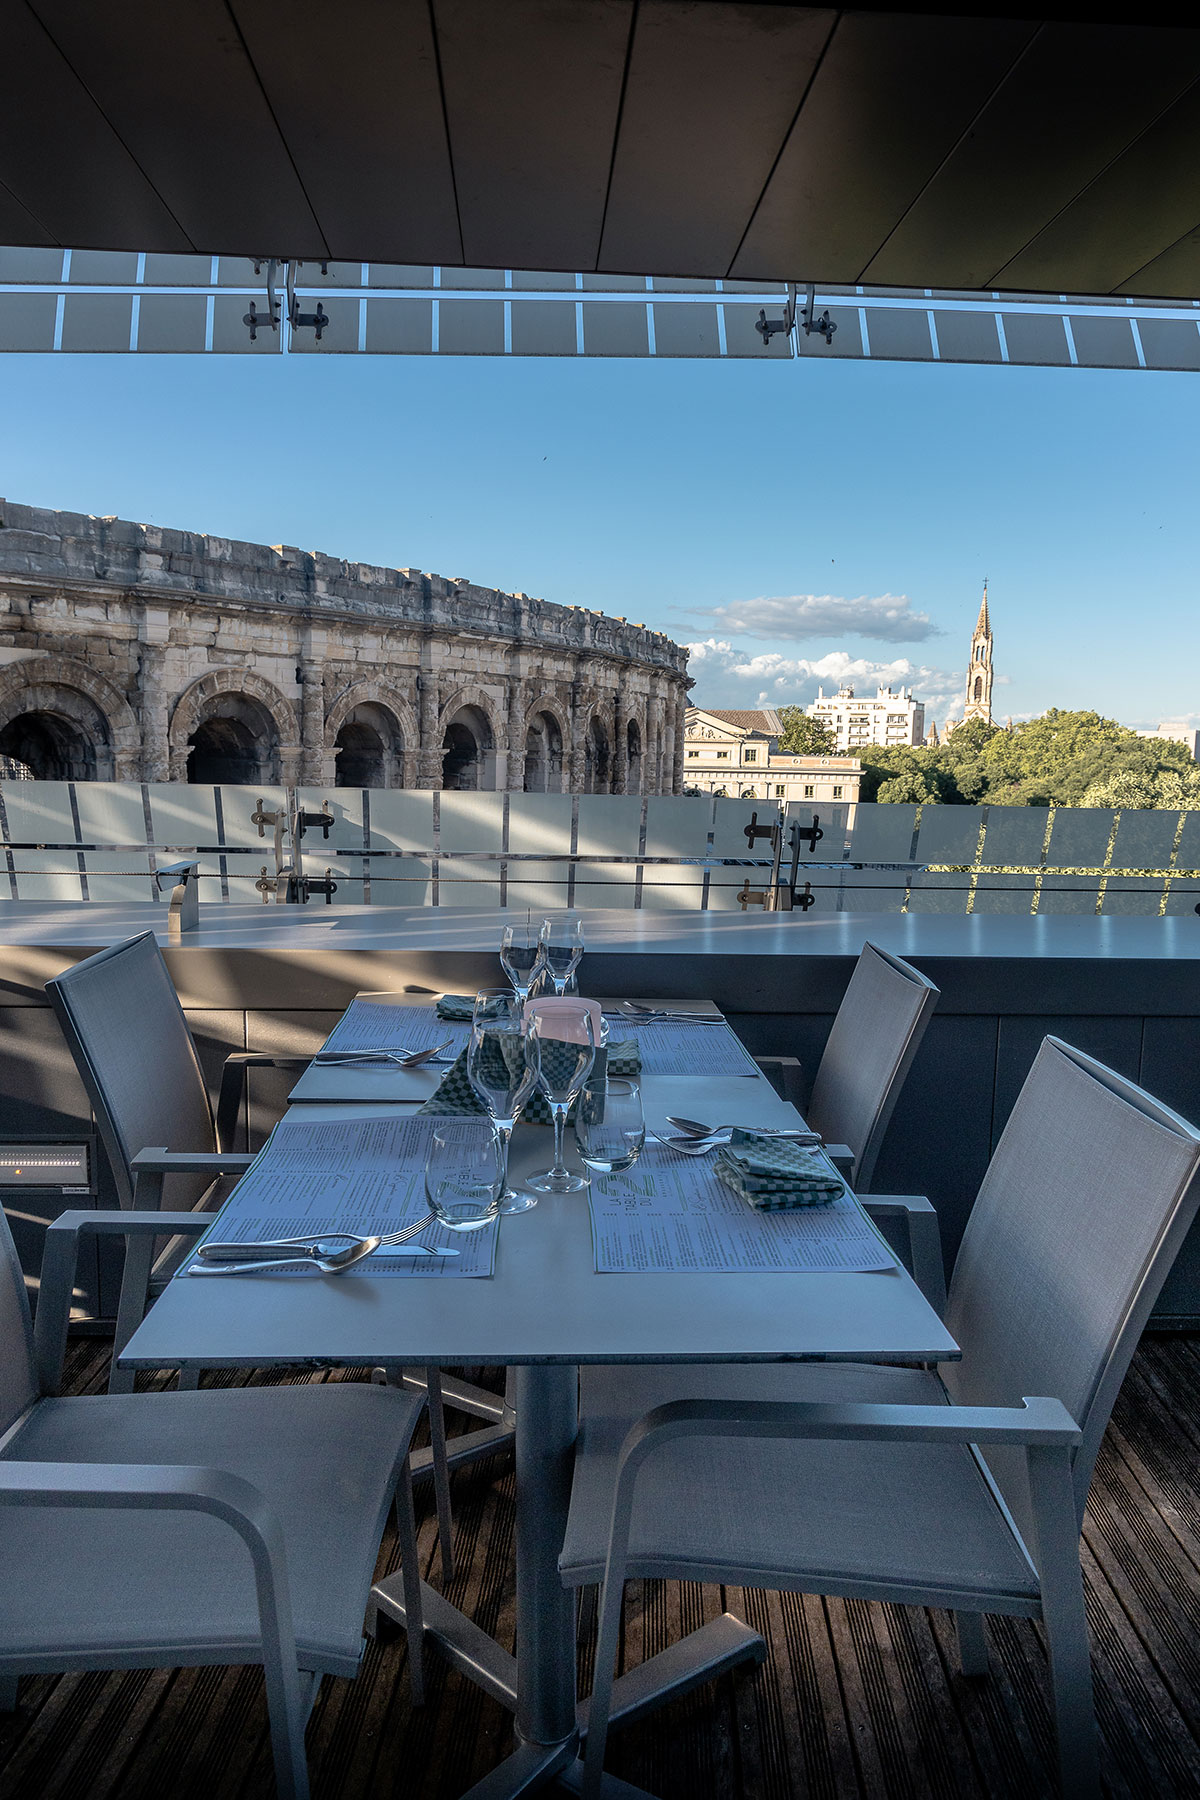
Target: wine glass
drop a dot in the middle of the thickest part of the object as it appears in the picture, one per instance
(521, 957)
(562, 947)
(610, 1127)
(500, 1075)
(560, 1048)
(464, 1173)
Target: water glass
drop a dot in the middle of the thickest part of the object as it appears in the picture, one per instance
(464, 1173)
(610, 1127)
(560, 1049)
(500, 1074)
(521, 957)
(562, 947)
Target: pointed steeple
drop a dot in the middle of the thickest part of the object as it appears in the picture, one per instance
(982, 627)
(979, 671)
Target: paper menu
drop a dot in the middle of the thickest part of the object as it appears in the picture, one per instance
(668, 1049)
(376, 1025)
(361, 1175)
(670, 1214)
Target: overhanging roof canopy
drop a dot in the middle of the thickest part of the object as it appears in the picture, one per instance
(700, 138)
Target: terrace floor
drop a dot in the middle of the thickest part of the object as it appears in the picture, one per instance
(853, 1700)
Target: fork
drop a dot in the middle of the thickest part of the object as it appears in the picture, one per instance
(303, 1249)
(404, 1059)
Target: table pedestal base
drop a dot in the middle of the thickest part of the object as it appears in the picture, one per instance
(700, 1657)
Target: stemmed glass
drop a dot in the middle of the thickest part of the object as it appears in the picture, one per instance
(500, 1074)
(521, 957)
(560, 1048)
(562, 947)
(610, 1127)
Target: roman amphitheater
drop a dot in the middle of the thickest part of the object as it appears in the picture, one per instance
(132, 652)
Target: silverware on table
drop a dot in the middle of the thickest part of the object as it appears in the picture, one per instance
(697, 1129)
(656, 1015)
(402, 1059)
(273, 1253)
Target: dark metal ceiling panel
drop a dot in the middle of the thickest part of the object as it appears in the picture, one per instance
(1176, 271)
(1072, 103)
(176, 85)
(1140, 206)
(377, 172)
(59, 157)
(17, 223)
(711, 94)
(532, 89)
(891, 98)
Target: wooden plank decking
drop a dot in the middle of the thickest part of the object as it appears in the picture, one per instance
(854, 1700)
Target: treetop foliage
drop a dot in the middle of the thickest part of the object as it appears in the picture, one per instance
(1060, 759)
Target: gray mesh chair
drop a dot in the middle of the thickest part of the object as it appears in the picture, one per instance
(959, 1490)
(131, 1044)
(875, 1036)
(177, 1488)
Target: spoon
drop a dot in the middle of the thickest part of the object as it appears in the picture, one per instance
(694, 1128)
(214, 1258)
(652, 1015)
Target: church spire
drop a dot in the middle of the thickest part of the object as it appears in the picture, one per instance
(979, 672)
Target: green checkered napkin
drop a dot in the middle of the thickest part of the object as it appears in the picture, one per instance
(772, 1173)
(456, 1006)
(456, 1095)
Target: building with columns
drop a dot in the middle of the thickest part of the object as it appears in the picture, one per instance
(133, 652)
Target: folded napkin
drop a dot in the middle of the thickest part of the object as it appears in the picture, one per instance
(456, 1095)
(772, 1174)
(456, 1006)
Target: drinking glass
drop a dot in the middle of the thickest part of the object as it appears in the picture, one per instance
(562, 947)
(560, 1049)
(464, 1173)
(610, 1127)
(500, 1075)
(521, 957)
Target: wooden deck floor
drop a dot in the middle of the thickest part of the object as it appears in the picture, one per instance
(853, 1700)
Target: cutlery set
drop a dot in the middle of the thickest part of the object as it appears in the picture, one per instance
(317, 1251)
(400, 1058)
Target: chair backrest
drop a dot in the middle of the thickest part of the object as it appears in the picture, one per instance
(1084, 1205)
(875, 1036)
(18, 1377)
(122, 1019)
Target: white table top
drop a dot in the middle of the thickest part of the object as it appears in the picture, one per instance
(545, 1303)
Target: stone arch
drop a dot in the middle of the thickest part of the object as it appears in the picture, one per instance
(369, 731)
(547, 735)
(232, 726)
(469, 739)
(597, 756)
(78, 726)
(633, 755)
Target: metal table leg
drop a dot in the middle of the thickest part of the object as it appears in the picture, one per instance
(539, 1684)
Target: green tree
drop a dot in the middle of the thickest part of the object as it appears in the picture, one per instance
(911, 787)
(803, 735)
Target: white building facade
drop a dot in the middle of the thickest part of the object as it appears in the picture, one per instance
(735, 754)
(887, 718)
(1178, 731)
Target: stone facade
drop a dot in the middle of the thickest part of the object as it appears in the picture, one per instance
(132, 652)
(737, 754)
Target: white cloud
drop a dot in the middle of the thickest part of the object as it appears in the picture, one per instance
(791, 617)
(726, 676)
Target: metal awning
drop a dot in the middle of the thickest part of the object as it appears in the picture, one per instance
(696, 138)
(117, 302)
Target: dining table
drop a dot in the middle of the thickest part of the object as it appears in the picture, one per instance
(542, 1312)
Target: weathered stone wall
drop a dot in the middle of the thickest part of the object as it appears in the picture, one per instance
(128, 651)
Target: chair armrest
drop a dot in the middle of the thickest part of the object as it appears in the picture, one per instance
(842, 1158)
(57, 1282)
(150, 1165)
(233, 1084)
(790, 1072)
(924, 1240)
(160, 1487)
(1041, 1420)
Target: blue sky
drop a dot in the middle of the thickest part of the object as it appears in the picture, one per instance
(798, 522)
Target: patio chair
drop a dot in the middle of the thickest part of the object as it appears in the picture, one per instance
(959, 1490)
(867, 1057)
(177, 1488)
(134, 1051)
